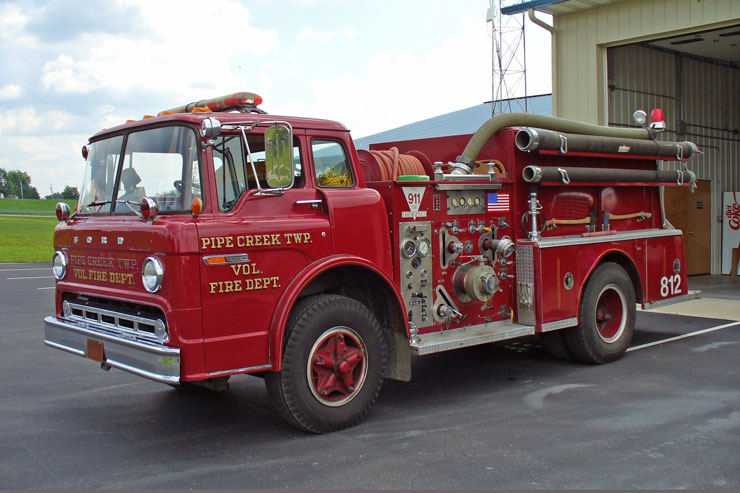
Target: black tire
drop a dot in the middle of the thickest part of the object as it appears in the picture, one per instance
(606, 316)
(554, 344)
(323, 328)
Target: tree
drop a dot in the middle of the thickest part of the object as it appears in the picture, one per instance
(17, 182)
(3, 182)
(70, 193)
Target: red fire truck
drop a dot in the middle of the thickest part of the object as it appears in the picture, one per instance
(216, 239)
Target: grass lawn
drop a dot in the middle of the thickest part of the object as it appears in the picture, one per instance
(27, 238)
(39, 207)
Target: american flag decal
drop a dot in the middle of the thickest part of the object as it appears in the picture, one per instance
(498, 202)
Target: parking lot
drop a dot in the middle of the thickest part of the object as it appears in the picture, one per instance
(502, 415)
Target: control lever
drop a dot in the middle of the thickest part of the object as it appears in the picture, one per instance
(448, 312)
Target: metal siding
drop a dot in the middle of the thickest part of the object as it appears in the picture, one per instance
(465, 121)
(708, 97)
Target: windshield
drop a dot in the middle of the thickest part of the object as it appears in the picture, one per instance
(160, 163)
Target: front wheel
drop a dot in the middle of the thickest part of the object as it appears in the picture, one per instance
(606, 317)
(333, 364)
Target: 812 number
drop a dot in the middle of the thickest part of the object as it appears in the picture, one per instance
(670, 285)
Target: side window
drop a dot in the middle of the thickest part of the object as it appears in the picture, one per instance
(230, 170)
(331, 164)
(234, 172)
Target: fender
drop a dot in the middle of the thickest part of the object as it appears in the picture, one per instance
(598, 262)
(301, 280)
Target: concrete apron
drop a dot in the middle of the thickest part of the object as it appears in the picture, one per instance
(703, 307)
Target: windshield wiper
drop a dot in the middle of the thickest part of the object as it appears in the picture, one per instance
(128, 204)
(96, 204)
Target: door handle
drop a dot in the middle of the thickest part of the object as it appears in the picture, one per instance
(314, 202)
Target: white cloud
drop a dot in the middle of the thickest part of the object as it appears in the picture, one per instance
(348, 32)
(395, 87)
(25, 120)
(66, 75)
(12, 21)
(309, 33)
(190, 49)
(10, 91)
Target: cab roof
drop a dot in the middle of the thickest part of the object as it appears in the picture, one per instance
(298, 123)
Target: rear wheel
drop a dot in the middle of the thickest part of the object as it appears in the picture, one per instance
(333, 365)
(607, 316)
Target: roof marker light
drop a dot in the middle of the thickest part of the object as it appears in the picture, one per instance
(196, 206)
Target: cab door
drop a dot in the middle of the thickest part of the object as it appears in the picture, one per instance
(249, 255)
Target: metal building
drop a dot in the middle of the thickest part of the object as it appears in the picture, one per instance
(461, 122)
(611, 57)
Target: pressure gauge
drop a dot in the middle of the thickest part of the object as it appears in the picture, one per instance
(408, 248)
(477, 201)
(454, 202)
(470, 201)
(424, 247)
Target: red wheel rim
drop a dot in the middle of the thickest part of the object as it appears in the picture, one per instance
(337, 366)
(611, 313)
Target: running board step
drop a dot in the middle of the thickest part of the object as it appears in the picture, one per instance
(469, 336)
(692, 294)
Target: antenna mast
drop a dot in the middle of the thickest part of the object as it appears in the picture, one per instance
(509, 58)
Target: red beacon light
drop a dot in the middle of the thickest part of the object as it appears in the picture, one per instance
(244, 102)
(657, 121)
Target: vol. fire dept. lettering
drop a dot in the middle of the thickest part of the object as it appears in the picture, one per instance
(251, 241)
(245, 269)
(120, 278)
(247, 284)
(239, 285)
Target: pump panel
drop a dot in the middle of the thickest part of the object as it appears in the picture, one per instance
(415, 254)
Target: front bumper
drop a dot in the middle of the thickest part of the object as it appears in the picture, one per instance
(149, 360)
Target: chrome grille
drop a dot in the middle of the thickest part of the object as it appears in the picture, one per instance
(120, 323)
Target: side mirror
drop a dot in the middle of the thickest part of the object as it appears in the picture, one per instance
(279, 157)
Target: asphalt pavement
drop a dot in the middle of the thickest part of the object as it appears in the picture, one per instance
(503, 416)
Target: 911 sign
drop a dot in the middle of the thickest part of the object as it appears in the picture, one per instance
(414, 196)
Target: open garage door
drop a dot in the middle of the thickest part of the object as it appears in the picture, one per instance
(695, 79)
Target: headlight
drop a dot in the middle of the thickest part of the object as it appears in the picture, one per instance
(59, 265)
(152, 274)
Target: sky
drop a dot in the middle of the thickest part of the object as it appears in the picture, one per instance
(69, 68)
